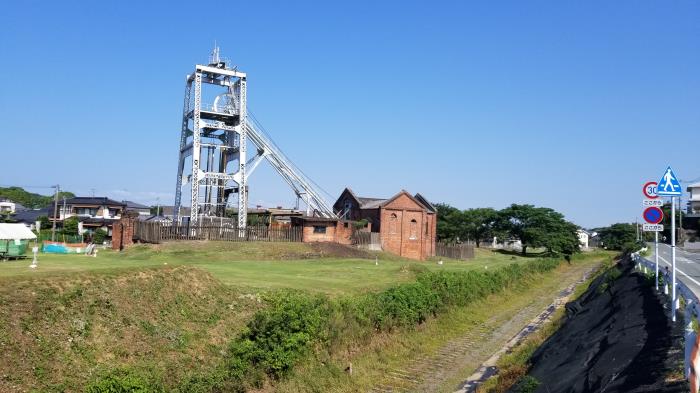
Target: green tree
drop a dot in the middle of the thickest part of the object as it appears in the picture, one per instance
(448, 220)
(30, 199)
(70, 226)
(99, 236)
(45, 223)
(538, 227)
(563, 237)
(478, 224)
(617, 236)
(6, 217)
(666, 234)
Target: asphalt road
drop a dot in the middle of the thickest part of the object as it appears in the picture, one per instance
(687, 265)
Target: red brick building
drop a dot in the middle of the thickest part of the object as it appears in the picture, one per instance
(406, 223)
(318, 229)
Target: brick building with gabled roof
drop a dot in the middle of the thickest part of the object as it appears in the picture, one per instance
(406, 223)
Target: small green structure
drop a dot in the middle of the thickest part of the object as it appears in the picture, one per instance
(14, 240)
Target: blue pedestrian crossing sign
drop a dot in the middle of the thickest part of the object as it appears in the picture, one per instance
(669, 184)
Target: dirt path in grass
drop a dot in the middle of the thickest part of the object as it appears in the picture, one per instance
(445, 369)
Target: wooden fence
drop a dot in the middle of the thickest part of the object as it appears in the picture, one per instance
(461, 251)
(154, 232)
(367, 240)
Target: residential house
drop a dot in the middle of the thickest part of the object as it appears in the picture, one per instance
(407, 224)
(30, 217)
(92, 212)
(8, 206)
(694, 199)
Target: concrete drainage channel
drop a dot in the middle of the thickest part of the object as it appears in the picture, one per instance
(426, 373)
(488, 368)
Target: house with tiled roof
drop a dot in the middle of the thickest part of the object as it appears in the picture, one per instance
(92, 212)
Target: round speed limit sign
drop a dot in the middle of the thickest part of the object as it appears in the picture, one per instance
(649, 190)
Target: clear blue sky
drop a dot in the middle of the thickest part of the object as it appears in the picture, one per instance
(570, 105)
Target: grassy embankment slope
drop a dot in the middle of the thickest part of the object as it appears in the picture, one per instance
(443, 351)
(77, 317)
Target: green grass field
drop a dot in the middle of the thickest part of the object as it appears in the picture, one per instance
(260, 266)
(171, 311)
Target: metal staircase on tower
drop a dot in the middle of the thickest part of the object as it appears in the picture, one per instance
(213, 156)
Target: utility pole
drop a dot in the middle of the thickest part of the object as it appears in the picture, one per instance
(55, 210)
(158, 207)
(680, 219)
(63, 218)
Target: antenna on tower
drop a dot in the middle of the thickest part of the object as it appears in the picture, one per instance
(214, 57)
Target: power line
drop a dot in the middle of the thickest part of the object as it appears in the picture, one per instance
(24, 186)
(279, 151)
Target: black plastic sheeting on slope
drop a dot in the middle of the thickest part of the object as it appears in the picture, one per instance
(618, 337)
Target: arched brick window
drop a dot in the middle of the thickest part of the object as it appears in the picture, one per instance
(413, 230)
(393, 224)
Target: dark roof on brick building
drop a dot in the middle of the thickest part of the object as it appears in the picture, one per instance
(371, 203)
(375, 203)
(429, 206)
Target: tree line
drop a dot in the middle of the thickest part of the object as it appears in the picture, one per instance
(31, 200)
(534, 227)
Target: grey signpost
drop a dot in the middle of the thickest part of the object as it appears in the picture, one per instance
(669, 186)
(649, 191)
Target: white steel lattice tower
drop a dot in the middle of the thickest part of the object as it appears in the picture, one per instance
(213, 141)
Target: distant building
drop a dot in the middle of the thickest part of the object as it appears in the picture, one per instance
(92, 212)
(8, 206)
(30, 217)
(694, 199)
(142, 210)
(407, 224)
(593, 239)
(583, 237)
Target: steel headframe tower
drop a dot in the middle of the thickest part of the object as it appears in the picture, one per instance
(214, 136)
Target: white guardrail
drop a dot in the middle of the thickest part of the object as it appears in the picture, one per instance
(691, 363)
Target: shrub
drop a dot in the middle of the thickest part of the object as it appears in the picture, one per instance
(404, 305)
(212, 381)
(632, 246)
(279, 335)
(283, 333)
(123, 382)
(527, 384)
(99, 236)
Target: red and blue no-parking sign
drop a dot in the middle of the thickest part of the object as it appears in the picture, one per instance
(653, 215)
